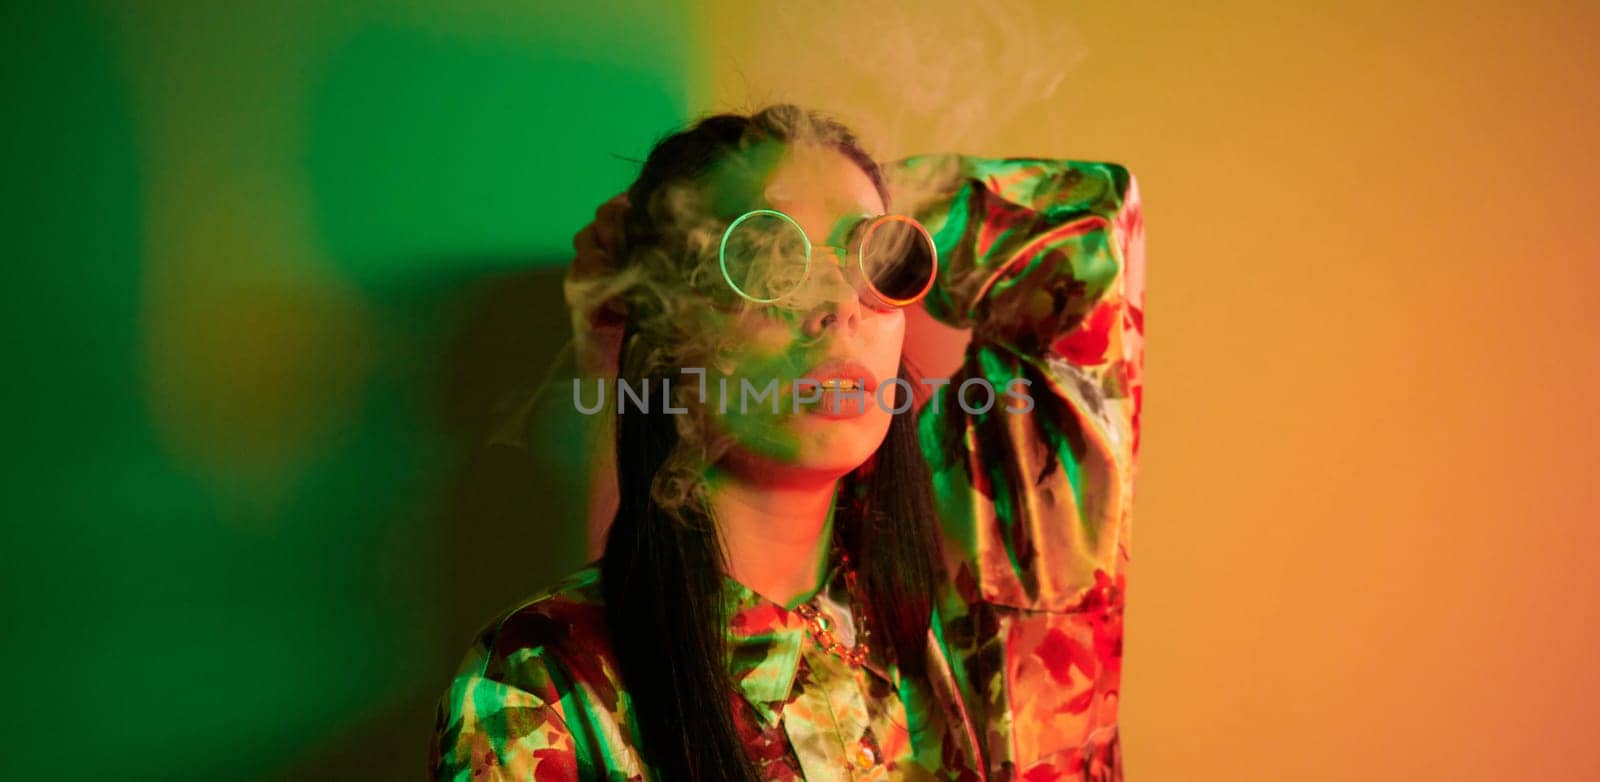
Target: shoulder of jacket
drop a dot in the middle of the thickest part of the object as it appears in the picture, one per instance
(563, 621)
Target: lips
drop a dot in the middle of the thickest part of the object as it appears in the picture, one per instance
(843, 376)
(845, 389)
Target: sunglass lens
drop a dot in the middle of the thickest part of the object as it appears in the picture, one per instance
(898, 260)
(764, 257)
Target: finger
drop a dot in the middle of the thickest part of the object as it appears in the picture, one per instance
(608, 221)
(586, 241)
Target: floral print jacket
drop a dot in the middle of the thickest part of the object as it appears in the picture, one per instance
(1044, 261)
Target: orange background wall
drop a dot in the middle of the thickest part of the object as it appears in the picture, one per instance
(1365, 541)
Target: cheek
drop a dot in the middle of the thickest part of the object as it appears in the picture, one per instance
(884, 337)
(748, 338)
(769, 337)
(763, 349)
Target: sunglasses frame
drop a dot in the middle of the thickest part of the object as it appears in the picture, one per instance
(873, 223)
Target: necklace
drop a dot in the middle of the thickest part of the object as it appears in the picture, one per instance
(818, 624)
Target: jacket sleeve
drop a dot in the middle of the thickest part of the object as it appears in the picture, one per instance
(490, 729)
(1044, 261)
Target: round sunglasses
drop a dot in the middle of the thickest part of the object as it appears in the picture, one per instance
(766, 257)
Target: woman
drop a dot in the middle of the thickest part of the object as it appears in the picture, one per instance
(776, 598)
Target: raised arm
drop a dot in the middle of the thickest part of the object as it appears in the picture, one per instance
(1044, 261)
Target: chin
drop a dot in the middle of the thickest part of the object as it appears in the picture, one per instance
(839, 445)
(815, 445)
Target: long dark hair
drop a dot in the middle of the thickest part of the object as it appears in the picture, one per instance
(662, 573)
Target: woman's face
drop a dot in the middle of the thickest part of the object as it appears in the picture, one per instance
(822, 332)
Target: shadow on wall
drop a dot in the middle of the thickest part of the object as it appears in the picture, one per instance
(448, 171)
(510, 519)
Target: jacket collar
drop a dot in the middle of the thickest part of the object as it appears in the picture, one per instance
(767, 640)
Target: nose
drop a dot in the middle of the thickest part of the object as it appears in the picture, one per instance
(838, 306)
